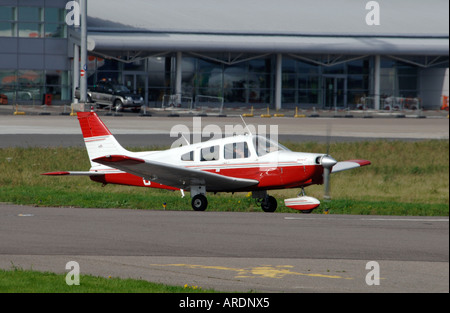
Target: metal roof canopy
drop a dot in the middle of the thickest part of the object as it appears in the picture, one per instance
(140, 28)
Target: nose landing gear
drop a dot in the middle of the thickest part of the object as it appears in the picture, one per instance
(268, 203)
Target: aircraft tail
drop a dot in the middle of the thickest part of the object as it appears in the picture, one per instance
(97, 137)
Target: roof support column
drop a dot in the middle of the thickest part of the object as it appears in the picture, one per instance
(179, 75)
(83, 79)
(76, 71)
(278, 81)
(376, 82)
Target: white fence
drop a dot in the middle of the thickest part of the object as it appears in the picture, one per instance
(177, 102)
(203, 104)
(390, 103)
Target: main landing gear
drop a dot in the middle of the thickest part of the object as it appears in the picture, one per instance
(199, 201)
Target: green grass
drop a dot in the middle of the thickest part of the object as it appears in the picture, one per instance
(405, 178)
(28, 281)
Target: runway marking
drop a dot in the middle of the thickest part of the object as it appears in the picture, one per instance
(265, 271)
(374, 219)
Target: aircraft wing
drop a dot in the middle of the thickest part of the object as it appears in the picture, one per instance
(348, 165)
(174, 176)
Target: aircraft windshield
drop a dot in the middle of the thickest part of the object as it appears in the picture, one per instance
(264, 146)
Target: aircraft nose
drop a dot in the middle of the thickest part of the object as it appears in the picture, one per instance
(328, 162)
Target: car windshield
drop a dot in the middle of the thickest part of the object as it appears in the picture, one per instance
(121, 88)
(264, 145)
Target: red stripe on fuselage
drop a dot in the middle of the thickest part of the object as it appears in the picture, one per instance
(275, 177)
(128, 180)
(268, 177)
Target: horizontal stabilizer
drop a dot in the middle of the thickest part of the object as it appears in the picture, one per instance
(73, 174)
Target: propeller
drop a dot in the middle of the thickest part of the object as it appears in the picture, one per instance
(327, 163)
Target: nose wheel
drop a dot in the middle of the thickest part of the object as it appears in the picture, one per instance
(269, 204)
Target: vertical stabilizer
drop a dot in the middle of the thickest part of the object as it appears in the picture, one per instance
(97, 137)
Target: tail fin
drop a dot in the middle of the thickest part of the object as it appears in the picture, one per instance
(97, 137)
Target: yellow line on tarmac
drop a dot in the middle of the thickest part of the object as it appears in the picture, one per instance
(266, 271)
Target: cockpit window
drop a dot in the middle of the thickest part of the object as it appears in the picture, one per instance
(236, 150)
(210, 153)
(264, 145)
(188, 156)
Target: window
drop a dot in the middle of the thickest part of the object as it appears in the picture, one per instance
(236, 150)
(210, 153)
(7, 16)
(55, 26)
(188, 156)
(32, 22)
(264, 146)
(30, 25)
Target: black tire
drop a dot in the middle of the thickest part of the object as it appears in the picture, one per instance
(118, 105)
(269, 205)
(199, 203)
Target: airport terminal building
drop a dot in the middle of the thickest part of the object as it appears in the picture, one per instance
(281, 54)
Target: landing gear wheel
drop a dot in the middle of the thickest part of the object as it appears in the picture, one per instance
(199, 203)
(269, 204)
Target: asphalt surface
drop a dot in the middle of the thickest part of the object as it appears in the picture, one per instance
(228, 251)
(232, 251)
(132, 131)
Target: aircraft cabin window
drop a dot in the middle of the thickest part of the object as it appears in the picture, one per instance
(188, 156)
(210, 153)
(236, 150)
(264, 146)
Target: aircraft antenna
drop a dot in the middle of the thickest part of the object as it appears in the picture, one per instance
(185, 139)
(246, 126)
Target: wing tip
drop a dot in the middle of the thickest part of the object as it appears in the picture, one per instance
(56, 174)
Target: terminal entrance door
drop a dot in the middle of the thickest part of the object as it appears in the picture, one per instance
(137, 83)
(335, 91)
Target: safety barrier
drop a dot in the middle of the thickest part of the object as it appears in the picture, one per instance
(444, 105)
(3, 99)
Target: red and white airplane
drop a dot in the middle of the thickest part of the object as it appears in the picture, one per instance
(247, 163)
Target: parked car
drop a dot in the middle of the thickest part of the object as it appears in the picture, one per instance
(115, 96)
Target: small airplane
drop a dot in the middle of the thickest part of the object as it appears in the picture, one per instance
(241, 163)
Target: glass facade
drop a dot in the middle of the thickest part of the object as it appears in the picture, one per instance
(32, 22)
(314, 82)
(32, 73)
(246, 82)
(398, 79)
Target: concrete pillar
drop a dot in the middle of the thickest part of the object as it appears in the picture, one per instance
(278, 81)
(376, 82)
(76, 71)
(179, 75)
